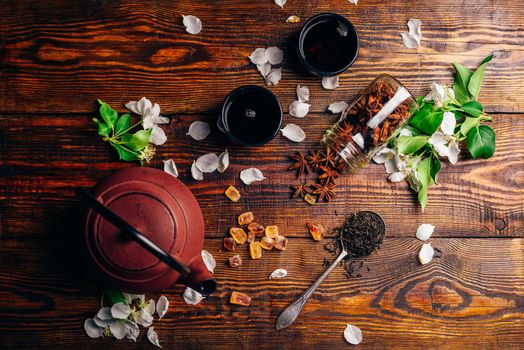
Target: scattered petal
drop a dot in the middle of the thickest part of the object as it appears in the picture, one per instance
(359, 140)
(412, 38)
(278, 273)
(161, 306)
(118, 329)
(158, 136)
(209, 260)
(92, 330)
(132, 330)
(299, 109)
(397, 176)
(273, 77)
(264, 69)
(193, 24)
(192, 297)
(303, 93)
(258, 56)
(353, 334)
(409, 42)
(152, 336)
(293, 19)
(223, 161)
(426, 253)
(354, 2)
(120, 311)
(248, 176)
(293, 132)
(337, 107)
(207, 163)
(425, 231)
(274, 55)
(330, 83)
(150, 307)
(199, 130)
(170, 167)
(448, 123)
(195, 172)
(280, 3)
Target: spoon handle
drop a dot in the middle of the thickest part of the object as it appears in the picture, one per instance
(291, 312)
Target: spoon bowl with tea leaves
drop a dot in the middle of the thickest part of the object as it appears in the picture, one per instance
(364, 230)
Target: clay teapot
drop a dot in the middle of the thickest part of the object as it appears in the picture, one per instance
(164, 214)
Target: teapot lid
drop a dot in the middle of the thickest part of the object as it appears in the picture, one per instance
(162, 208)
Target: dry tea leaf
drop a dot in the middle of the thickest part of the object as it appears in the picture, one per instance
(199, 130)
(195, 172)
(209, 260)
(330, 83)
(248, 176)
(192, 297)
(207, 163)
(337, 107)
(425, 231)
(426, 253)
(293, 19)
(293, 132)
(303, 93)
(299, 109)
(278, 273)
(161, 306)
(170, 167)
(264, 69)
(274, 55)
(152, 336)
(274, 76)
(413, 37)
(353, 334)
(280, 3)
(193, 24)
(232, 193)
(223, 161)
(258, 56)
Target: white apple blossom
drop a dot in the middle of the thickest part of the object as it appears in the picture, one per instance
(444, 141)
(439, 94)
(150, 119)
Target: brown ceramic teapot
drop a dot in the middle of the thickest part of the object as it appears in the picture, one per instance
(167, 220)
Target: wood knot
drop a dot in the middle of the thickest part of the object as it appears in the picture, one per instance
(500, 224)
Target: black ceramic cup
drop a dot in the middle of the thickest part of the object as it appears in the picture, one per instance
(328, 44)
(251, 116)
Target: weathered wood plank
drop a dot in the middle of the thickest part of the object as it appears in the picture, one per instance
(54, 55)
(469, 293)
(45, 158)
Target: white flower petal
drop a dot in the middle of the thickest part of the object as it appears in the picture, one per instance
(426, 253)
(209, 260)
(353, 334)
(143, 105)
(207, 163)
(170, 167)
(397, 176)
(439, 140)
(196, 173)
(148, 123)
(132, 330)
(118, 329)
(248, 176)
(152, 336)
(414, 181)
(391, 166)
(299, 109)
(150, 307)
(293, 132)
(448, 123)
(280, 3)
(193, 24)
(264, 69)
(453, 152)
(359, 140)
(273, 77)
(278, 273)
(337, 107)
(274, 55)
(425, 231)
(161, 306)
(130, 297)
(409, 42)
(103, 323)
(401, 162)
(438, 94)
(92, 330)
(132, 106)
(104, 313)
(223, 161)
(143, 318)
(154, 112)
(120, 311)
(413, 37)
(199, 130)
(258, 56)
(192, 297)
(330, 83)
(302, 93)
(354, 2)
(158, 136)
(383, 155)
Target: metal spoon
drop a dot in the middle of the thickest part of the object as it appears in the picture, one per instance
(290, 313)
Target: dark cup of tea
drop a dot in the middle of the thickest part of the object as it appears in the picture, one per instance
(328, 44)
(251, 115)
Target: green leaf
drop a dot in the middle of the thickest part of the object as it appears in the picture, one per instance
(424, 176)
(473, 108)
(434, 168)
(481, 142)
(124, 153)
(462, 76)
(461, 93)
(108, 114)
(111, 297)
(427, 120)
(411, 144)
(136, 141)
(103, 129)
(468, 124)
(478, 77)
(123, 123)
(420, 100)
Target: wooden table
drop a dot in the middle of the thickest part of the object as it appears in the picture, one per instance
(58, 57)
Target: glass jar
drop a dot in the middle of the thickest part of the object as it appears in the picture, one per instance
(368, 124)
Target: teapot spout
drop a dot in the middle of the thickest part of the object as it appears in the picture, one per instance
(200, 278)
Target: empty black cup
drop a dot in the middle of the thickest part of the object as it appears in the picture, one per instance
(251, 116)
(328, 44)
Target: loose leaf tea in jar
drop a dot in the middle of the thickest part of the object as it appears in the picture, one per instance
(368, 123)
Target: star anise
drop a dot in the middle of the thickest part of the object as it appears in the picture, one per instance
(300, 165)
(301, 190)
(324, 191)
(314, 159)
(328, 158)
(328, 175)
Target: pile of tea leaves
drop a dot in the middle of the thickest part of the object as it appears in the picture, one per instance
(361, 235)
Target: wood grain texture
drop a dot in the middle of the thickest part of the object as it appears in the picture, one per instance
(52, 55)
(466, 293)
